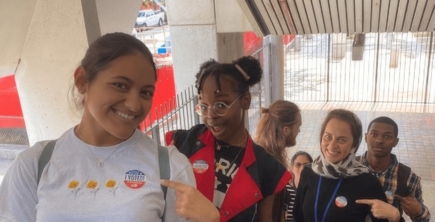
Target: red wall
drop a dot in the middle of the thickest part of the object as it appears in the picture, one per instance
(11, 115)
(164, 97)
(252, 42)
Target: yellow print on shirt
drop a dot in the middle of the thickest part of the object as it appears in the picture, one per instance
(111, 185)
(74, 186)
(93, 185)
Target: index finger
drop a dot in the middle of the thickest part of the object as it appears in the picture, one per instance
(365, 201)
(173, 185)
(400, 198)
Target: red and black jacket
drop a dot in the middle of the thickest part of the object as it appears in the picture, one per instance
(258, 176)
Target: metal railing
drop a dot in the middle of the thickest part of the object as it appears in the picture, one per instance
(378, 67)
(157, 39)
(180, 114)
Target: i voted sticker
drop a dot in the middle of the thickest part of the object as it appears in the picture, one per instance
(135, 179)
(341, 201)
(200, 166)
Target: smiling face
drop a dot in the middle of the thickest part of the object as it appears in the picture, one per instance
(118, 99)
(380, 139)
(336, 141)
(229, 128)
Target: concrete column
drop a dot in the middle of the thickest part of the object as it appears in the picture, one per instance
(46, 41)
(297, 43)
(230, 46)
(277, 66)
(394, 57)
(193, 38)
(206, 31)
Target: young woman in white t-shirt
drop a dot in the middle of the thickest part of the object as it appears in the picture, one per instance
(103, 168)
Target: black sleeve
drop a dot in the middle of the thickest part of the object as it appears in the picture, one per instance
(274, 176)
(298, 212)
(270, 175)
(179, 136)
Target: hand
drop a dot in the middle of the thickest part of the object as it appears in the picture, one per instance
(381, 209)
(410, 205)
(191, 204)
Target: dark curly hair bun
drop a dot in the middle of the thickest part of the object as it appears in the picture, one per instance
(252, 67)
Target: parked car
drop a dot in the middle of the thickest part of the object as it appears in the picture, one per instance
(150, 18)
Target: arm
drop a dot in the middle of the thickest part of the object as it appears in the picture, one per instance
(191, 204)
(265, 208)
(183, 200)
(298, 213)
(18, 190)
(413, 205)
(382, 210)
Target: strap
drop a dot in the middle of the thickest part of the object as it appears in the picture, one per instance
(44, 158)
(165, 170)
(402, 180)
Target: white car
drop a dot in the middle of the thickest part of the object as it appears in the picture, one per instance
(150, 18)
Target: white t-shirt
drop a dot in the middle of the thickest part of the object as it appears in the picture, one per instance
(73, 187)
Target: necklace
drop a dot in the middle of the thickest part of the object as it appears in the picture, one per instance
(100, 163)
(218, 147)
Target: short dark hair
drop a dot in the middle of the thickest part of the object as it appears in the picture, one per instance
(300, 153)
(386, 120)
(349, 117)
(248, 65)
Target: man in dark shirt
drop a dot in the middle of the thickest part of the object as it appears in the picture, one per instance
(401, 185)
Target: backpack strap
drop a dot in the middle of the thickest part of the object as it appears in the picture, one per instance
(44, 158)
(403, 174)
(165, 169)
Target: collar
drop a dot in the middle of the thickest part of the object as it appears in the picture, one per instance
(390, 168)
(249, 157)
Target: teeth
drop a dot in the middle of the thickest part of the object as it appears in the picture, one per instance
(217, 128)
(332, 152)
(125, 116)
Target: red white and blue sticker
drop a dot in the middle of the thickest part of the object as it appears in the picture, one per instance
(200, 166)
(135, 179)
(341, 201)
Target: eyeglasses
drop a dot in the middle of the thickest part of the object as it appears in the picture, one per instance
(298, 165)
(219, 108)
